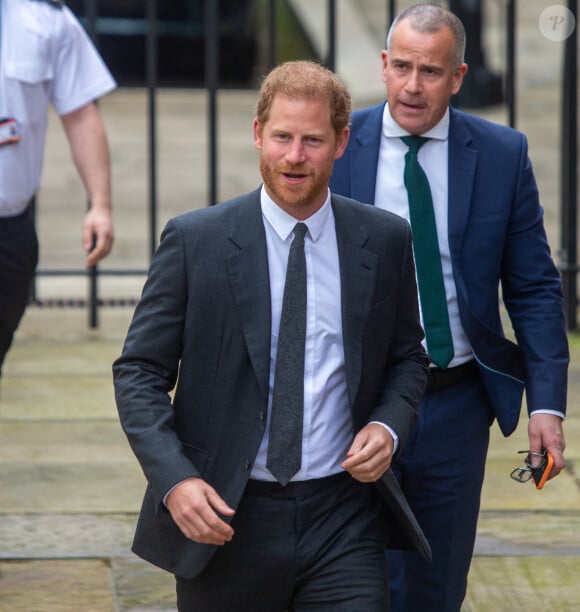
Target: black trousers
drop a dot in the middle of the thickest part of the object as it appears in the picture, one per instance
(18, 259)
(317, 545)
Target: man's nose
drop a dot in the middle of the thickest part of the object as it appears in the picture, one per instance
(295, 153)
(413, 84)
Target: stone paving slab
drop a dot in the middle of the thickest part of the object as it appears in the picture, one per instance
(52, 345)
(530, 533)
(140, 587)
(501, 492)
(37, 535)
(50, 487)
(63, 466)
(65, 442)
(85, 585)
(523, 584)
(56, 586)
(22, 400)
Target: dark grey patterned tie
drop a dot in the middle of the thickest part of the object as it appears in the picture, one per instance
(285, 443)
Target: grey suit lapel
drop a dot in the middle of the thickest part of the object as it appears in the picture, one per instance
(250, 282)
(358, 274)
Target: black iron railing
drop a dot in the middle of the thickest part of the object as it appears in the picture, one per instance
(568, 263)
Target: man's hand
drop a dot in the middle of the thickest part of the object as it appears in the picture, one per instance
(97, 235)
(545, 431)
(194, 506)
(370, 453)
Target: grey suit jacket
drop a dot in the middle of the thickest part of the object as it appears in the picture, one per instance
(202, 329)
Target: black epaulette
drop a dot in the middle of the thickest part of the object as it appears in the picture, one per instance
(56, 3)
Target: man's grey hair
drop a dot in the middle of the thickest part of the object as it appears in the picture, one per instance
(432, 18)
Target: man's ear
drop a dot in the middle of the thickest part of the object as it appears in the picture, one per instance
(385, 62)
(458, 78)
(257, 134)
(341, 142)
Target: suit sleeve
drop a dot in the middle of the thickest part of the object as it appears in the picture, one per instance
(532, 293)
(146, 372)
(406, 370)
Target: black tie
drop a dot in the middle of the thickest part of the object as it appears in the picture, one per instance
(427, 257)
(285, 443)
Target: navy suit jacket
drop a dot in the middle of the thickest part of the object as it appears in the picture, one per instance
(497, 239)
(203, 326)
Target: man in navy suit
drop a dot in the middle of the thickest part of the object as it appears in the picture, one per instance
(490, 234)
(208, 327)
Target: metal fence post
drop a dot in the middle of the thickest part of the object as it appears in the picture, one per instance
(569, 174)
(510, 84)
(272, 35)
(152, 78)
(392, 15)
(91, 13)
(211, 17)
(331, 57)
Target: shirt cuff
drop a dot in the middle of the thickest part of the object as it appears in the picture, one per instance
(173, 487)
(554, 412)
(391, 431)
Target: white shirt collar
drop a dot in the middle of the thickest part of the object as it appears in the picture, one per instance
(391, 129)
(283, 223)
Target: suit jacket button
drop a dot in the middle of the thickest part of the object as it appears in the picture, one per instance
(248, 464)
(262, 416)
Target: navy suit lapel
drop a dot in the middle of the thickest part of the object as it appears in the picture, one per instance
(250, 284)
(364, 155)
(462, 164)
(358, 273)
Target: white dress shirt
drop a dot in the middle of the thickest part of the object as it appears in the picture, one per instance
(328, 432)
(391, 194)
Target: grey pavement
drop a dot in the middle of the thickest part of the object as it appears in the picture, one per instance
(70, 488)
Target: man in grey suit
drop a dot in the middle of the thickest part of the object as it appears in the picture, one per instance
(208, 327)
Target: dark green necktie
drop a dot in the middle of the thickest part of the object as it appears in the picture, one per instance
(427, 257)
(285, 441)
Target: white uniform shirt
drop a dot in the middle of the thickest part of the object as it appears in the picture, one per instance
(46, 57)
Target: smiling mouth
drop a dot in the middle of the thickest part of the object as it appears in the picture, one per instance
(294, 176)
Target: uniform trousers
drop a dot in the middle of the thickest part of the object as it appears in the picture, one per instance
(441, 472)
(18, 259)
(312, 545)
